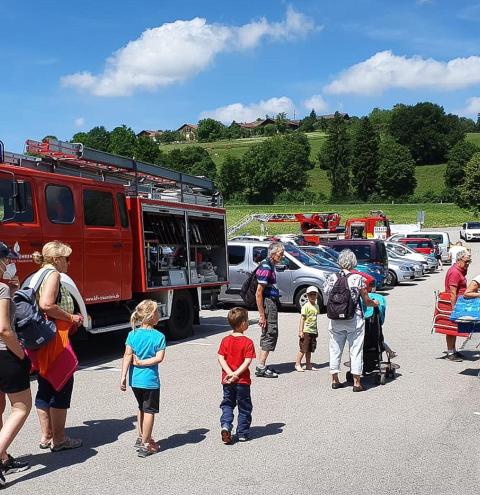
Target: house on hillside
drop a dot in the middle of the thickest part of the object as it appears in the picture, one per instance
(331, 116)
(188, 131)
(154, 135)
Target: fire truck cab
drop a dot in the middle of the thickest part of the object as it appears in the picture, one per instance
(136, 230)
(375, 226)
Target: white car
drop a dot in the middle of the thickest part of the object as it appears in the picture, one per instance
(440, 238)
(470, 231)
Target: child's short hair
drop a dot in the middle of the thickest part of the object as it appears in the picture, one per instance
(236, 316)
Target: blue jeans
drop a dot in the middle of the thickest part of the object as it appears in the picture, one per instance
(238, 395)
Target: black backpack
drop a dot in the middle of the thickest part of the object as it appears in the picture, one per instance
(32, 328)
(342, 301)
(248, 292)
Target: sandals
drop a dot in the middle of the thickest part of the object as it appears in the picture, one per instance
(45, 445)
(67, 444)
(299, 368)
(391, 354)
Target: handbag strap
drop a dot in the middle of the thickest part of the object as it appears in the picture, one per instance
(42, 278)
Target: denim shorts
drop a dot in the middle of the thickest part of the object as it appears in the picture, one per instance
(48, 397)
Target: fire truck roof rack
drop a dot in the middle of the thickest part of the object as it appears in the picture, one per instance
(69, 158)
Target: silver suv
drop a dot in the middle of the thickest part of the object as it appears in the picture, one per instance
(295, 272)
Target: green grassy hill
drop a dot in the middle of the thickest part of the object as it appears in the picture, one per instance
(429, 177)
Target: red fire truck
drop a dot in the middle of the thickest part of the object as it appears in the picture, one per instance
(375, 226)
(137, 231)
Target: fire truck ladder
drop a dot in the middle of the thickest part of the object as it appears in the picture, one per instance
(260, 217)
(140, 178)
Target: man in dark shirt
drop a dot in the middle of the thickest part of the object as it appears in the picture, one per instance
(267, 297)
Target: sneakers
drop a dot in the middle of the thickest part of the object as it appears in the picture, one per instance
(14, 465)
(226, 436)
(67, 444)
(243, 437)
(138, 443)
(266, 372)
(454, 358)
(148, 449)
(459, 355)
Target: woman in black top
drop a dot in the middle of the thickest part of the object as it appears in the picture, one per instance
(14, 368)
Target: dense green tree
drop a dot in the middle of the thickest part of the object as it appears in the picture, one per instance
(468, 191)
(147, 150)
(281, 122)
(426, 130)
(80, 137)
(308, 124)
(269, 130)
(122, 141)
(170, 137)
(381, 119)
(193, 160)
(234, 131)
(210, 130)
(334, 157)
(458, 157)
(230, 176)
(50, 136)
(396, 174)
(275, 165)
(98, 138)
(365, 159)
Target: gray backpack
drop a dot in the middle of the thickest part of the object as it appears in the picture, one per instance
(32, 328)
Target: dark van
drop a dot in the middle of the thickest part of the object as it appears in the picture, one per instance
(370, 252)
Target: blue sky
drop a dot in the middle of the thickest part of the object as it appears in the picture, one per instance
(68, 66)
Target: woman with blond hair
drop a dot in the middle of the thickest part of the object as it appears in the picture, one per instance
(55, 361)
(144, 350)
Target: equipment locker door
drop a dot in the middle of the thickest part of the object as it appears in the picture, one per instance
(102, 265)
(127, 246)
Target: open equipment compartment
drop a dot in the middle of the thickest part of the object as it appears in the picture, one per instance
(207, 258)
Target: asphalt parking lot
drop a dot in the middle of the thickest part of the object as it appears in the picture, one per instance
(417, 434)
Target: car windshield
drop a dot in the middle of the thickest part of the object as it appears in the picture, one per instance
(300, 256)
(325, 251)
(318, 255)
(473, 225)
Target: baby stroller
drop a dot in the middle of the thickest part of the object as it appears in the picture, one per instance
(373, 349)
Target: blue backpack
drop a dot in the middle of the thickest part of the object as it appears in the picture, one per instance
(33, 329)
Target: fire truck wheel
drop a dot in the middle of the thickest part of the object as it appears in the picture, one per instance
(180, 324)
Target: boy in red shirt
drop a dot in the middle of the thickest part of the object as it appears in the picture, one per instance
(235, 355)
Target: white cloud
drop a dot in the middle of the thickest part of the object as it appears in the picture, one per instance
(317, 103)
(384, 70)
(248, 113)
(177, 51)
(79, 122)
(473, 106)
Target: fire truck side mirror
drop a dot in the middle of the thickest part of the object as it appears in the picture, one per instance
(19, 197)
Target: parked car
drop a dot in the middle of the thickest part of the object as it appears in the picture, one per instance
(366, 271)
(442, 239)
(421, 245)
(417, 266)
(295, 273)
(430, 263)
(371, 255)
(398, 272)
(470, 231)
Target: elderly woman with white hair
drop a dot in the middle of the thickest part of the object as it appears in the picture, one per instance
(351, 329)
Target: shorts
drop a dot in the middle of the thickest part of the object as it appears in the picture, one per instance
(148, 399)
(14, 373)
(48, 397)
(269, 337)
(308, 343)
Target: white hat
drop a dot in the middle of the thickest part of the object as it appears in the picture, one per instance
(311, 289)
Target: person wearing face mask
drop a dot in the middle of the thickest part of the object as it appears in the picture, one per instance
(52, 401)
(14, 368)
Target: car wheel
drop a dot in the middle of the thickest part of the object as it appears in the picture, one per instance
(391, 278)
